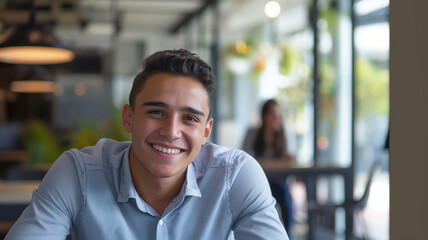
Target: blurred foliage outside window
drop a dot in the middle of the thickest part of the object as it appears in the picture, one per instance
(372, 89)
(44, 145)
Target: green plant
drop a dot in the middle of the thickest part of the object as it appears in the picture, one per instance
(94, 129)
(372, 88)
(289, 60)
(41, 143)
(44, 147)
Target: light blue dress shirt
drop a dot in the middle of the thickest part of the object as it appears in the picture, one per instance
(89, 194)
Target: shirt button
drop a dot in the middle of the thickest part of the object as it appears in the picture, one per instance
(161, 222)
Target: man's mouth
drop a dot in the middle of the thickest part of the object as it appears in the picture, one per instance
(166, 150)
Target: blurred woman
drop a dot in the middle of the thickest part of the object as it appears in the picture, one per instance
(269, 141)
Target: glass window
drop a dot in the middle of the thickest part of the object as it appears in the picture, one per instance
(372, 82)
(295, 92)
(334, 128)
(371, 37)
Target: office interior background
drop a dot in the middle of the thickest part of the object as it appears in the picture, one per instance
(325, 61)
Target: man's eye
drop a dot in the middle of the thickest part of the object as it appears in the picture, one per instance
(190, 118)
(156, 113)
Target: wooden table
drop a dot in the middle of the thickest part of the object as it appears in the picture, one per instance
(309, 174)
(15, 197)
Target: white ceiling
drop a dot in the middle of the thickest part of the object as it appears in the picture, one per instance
(81, 18)
(92, 22)
(159, 15)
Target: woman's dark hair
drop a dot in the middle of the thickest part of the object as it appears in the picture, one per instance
(177, 62)
(279, 137)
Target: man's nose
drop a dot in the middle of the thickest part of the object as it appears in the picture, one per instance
(171, 128)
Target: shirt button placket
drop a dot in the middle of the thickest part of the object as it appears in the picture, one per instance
(162, 230)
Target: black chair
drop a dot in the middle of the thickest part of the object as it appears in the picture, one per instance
(357, 205)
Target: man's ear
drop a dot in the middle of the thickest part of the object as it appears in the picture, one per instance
(208, 129)
(127, 118)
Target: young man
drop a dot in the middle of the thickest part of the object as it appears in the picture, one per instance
(168, 183)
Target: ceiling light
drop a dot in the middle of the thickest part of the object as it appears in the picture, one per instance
(33, 86)
(80, 89)
(272, 9)
(33, 79)
(33, 44)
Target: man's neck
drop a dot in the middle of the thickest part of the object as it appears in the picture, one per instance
(155, 191)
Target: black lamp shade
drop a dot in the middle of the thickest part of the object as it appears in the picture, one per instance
(33, 44)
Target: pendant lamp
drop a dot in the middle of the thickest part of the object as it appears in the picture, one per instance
(33, 44)
(33, 79)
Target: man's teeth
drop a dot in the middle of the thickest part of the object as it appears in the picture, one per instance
(166, 150)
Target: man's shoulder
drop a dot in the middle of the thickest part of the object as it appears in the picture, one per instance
(106, 150)
(216, 156)
(106, 145)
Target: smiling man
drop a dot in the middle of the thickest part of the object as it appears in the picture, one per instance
(167, 183)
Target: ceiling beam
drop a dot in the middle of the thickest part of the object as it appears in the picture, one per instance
(190, 16)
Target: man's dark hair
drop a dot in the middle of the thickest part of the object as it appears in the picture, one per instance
(177, 62)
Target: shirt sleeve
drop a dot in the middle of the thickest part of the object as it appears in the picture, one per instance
(55, 205)
(252, 204)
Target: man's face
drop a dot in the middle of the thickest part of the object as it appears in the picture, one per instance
(169, 124)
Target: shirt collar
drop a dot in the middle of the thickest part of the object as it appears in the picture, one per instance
(126, 186)
(192, 188)
(127, 189)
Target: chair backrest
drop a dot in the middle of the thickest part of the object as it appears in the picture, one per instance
(362, 202)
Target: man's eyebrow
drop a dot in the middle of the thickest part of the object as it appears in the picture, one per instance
(164, 105)
(155, 104)
(192, 110)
